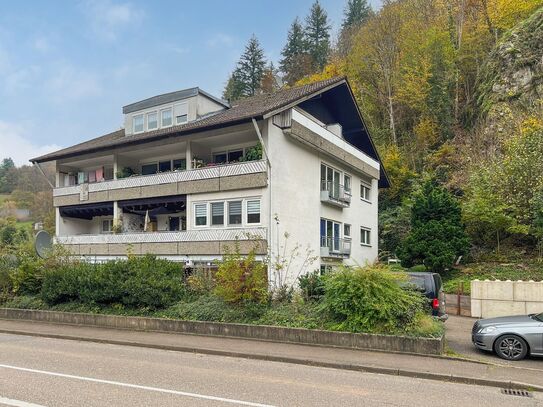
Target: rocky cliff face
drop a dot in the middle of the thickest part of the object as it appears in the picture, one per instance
(513, 73)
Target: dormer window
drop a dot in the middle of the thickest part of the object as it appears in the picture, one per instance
(166, 117)
(181, 113)
(152, 121)
(138, 123)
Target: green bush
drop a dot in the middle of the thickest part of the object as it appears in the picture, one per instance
(370, 299)
(137, 282)
(312, 286)
(241, 279)
(437, 235)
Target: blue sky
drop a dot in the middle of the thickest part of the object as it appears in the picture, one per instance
(67, 67)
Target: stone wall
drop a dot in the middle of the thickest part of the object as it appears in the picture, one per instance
(502, 298)
(426, 346)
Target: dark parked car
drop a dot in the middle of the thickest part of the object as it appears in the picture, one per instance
(431, 286)
(512, 338)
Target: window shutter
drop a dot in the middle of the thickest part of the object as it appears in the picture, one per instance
(253, 207)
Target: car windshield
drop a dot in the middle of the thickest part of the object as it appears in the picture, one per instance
(539, 317)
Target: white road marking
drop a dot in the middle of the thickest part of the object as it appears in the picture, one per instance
(134, 386)
(17, 403)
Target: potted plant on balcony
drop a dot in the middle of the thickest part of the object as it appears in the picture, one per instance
(252, 153)
(125, 173)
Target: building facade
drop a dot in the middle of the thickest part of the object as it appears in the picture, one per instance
(293, 175)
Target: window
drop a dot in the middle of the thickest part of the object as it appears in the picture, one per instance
(330, 181)
(138, 123)
(347, 183)
(365, 192)
(182, 118)
(365, 236)
(148, 169)
(330, 232)
(234, 213)
(107, 225)
(152, 121)
(219, 158)
(180, 164)
(200, 212)
(164, 166)
(253, 211)
(181, 111)
(166, 117)
(234, 155)
(347, 231)
(217, 213)
(173, 223)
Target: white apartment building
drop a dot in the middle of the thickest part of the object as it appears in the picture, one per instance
(190, 176)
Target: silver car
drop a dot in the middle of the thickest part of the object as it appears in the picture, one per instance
(512, 338)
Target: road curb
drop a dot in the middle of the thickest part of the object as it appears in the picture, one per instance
(307, 362)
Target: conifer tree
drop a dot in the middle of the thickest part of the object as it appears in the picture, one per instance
(296, 62)
(356, 13)
(317, 35)
(247, 77)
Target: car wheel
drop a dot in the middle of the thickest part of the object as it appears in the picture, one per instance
(511, 347)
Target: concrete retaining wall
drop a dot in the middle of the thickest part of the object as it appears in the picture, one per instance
(501, 298)
(260, 332)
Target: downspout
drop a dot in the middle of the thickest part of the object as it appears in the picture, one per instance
(37, 165)
(268, 162)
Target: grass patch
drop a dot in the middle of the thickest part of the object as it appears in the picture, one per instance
(490, 271)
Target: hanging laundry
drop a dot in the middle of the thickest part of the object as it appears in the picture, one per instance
(100, 174)
(92, 176)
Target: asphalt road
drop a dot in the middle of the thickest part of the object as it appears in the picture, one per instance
(51, 372)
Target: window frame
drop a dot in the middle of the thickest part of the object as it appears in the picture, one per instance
(247, 212)
(147, 117)
(134, 118)
(229, 202)
(367, 233)
(110, 223)
(367, 187)
(162, 111)
(211, 204)
(175, 117)
(206, 205)
(349, 235)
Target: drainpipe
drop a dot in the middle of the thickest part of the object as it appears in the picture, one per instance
(270, 223)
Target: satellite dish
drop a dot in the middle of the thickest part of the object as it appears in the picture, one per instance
(43, 244)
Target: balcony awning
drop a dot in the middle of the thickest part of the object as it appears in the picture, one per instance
(87, 211)
(155, 206)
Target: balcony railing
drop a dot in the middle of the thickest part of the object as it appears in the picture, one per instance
(335, 194)
(208, 235)
(226, 170)
(335, 247)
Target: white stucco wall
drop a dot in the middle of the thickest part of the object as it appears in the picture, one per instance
(295, 190)
(74, 226)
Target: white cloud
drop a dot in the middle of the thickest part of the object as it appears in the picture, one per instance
(220, 39)
(15, 144)
(109, 18)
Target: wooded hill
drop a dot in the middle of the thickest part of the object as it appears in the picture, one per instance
(452, 92)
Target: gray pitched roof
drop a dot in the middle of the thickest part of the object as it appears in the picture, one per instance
(240, 111)
(170, 97)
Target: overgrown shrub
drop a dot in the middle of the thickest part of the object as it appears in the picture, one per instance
(311, 286)
(370, 299)
(201, 281)
(241, 278)
(137, 282)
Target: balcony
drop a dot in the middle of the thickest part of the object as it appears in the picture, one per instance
(250, 174)
(335, 194)
(335, 247)
(178, 243)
